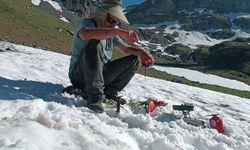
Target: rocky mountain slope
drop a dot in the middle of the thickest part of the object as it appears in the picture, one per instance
(191, 34)
(188, 12)
(82, 7)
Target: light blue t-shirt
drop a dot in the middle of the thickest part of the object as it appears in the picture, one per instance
(78, 44)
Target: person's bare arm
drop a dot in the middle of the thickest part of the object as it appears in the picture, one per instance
(105, 33)
(98, 34)
(145, 57)
(129, 50)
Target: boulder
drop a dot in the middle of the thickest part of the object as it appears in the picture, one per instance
(152, 13)
(156, 36)
(243, 22)
(204, 21)
(181, 50)
(81, 7)
(221, 34)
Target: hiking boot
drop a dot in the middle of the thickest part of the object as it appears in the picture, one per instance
(96, 107)
(74, 91)
(117, 98)
(94, 103)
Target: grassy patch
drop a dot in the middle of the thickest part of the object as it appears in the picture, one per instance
(231, 74)
(22, 22)
(165, 76)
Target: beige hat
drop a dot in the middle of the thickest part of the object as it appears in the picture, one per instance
(115, 10)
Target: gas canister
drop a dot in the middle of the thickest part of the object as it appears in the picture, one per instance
(217, 123)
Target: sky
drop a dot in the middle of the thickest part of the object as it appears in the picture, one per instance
(35, 115)
(127, 3)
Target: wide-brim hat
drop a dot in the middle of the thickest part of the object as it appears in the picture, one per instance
(116, 11)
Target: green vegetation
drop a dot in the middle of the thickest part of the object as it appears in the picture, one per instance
(201, 55)
(226, 73)
(168, 77)
(230, 55)
(22, 22)
(162, 61)
(245, 67)
(179, 49)
(231, 74)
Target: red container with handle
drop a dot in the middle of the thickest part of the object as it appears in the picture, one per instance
(217, 123)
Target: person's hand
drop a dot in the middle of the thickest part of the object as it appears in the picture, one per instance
(128, 35)
(146, 58)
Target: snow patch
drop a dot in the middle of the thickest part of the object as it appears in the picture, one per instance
(245, 16)
(36, 2)
(192, 38)
(30, 84)
(195, 38)
(197, 76)
(64, 19)
(55, 4)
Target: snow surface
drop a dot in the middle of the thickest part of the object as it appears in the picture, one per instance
(191, 38)
(36, 2)
(194, 38)
(53, 3)
(31, 119)
(64, 19)
(200, 77)
(245, 16)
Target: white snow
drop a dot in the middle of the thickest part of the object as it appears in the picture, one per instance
(64, 19)
(245, 16)
(240, 33)
(55, 4)
(200, 77)
(195, 38)
(189, 38)
(36, 2)
(192, 38)
(31, 119)
(233, 16)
